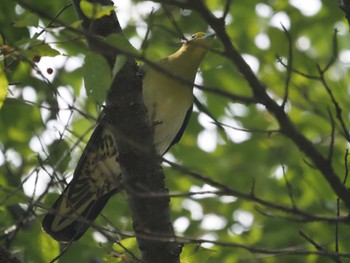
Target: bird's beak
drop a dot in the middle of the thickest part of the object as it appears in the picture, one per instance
(209, 35)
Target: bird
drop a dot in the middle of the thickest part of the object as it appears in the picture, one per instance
(97, 176)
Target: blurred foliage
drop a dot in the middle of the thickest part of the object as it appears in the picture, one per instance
(47, 118)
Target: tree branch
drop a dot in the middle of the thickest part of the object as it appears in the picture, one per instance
(259, 90)
(6, 257)
(345, 6)
(302, 216)
(125, 114)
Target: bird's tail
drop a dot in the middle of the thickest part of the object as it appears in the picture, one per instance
(96, 178)
(71, 215)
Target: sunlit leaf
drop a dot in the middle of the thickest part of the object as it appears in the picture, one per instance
(34, 233)
(3, 87)
(95, 10)
(49, 246)
(77, 24)
(195, 253)
(123, 247)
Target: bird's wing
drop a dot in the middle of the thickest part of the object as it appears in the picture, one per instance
(181, 131)
(96, 178)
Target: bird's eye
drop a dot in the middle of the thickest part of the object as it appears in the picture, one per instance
(193, 36)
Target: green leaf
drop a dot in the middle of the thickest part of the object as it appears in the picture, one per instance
(118, 65)
(28, 19)
(95, 10)
(3, 87)
(34, 47)
(124, 246)
(77, 24)
(48, 245)
(58, 155)
(120, 42)
(44, 50)
(11, 195)
(97, 77)
(30, 239)
(193, 253)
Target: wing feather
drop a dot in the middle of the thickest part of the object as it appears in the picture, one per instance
(95, 180)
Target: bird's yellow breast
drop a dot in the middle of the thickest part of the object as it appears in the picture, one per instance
(167, 101)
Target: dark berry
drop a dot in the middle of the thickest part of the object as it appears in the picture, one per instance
(49, 70)
(36, 59)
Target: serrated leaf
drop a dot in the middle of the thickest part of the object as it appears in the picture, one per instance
(3, 87)
(97, 77)
(95, 10)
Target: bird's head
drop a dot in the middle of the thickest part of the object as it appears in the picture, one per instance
(186, 60)
(194, 49)
(198, 44)
(200, 37)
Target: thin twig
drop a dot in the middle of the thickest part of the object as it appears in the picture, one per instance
(334, 55)
(250, 130)
(305, 75)
(289, 67)
(173, 21)
(144, 43)
(226, 190)
(338, 109)
(260, 93)
(331, 145)
(62, 252)
(289, 187)
(311, 241)
(53, 19)
(226, 9)
(338, 201)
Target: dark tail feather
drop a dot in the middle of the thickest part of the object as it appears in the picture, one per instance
(67, 221)
(96, 178)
